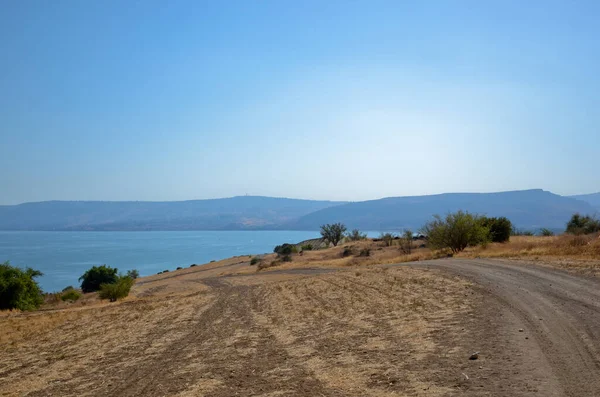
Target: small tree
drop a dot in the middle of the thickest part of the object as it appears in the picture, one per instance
(406, 241)
(97, 275)
(579, 224)
(117, 290)
(457, 231)
(333, 233)
(18, 289)
(133, 273)
(356, 235)
(500, 228)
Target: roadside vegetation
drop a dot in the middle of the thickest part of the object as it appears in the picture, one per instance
(18, 288)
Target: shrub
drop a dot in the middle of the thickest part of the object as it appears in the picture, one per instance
(365, 252)
(579, 224)
(67, 288)
(286, 258)
(97, 275)
(456, 232)
(346, 252)
(179, 268)
(306, 247)
(356, 235)
(285, 249)
(194, 265)
(18, 289)
(500, 228)
(406, 241)
(71, 295)
(546, 232)
(117, 290)
(333, 233)
(133, 274)
(254, 261)
(387, 238)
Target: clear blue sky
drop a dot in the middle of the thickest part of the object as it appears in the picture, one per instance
(352, 100)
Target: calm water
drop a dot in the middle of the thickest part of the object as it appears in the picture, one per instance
(64, 256)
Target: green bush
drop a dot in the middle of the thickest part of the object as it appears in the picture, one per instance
(133, 274)
(255, 261)
(356, 235)
(117, 290)
(333, 233)
(500, 228)
(97, 275)
(68, 288)
(365, 252)
(285, 249)
(579, 224)
(456, 232)
(18, 289)
(71, 295)
(306, 247)
(347, 252)
(286, 258)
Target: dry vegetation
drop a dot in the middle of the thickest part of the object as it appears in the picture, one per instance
(225, 329)
(327, 323)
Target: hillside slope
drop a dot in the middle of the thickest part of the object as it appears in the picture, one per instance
(526, 209)
(216, 214)
(593, 199)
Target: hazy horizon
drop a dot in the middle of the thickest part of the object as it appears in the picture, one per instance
(342, 101)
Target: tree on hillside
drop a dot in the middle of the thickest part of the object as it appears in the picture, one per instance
(583, 224)
(500, 228)
(333, 233)
(18, 289)
(457, 231)
(97, 275)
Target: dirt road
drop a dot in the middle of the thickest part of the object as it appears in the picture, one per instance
(558, 350)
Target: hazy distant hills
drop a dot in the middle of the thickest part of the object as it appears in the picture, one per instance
(527, 209)
(244, 212)
(593, 199)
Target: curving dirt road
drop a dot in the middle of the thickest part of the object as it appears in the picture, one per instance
(543, 327)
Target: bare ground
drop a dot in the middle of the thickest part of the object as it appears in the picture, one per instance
(387, 331)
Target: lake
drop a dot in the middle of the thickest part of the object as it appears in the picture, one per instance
(64, 256)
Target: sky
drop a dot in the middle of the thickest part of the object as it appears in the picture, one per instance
(339, 100)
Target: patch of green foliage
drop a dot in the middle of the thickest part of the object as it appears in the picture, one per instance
(96, 276)
(456, 231)
(583, 224)
(333, 233)
(306, 247)
(18, 289)
(133, 273)
(70, 295)
(546, 232)
(285, 249)
(117, 290)
(255, 261)
(500, 228)
(356, 235)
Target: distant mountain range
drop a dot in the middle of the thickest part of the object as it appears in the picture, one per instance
(527, 209)
(592, 199)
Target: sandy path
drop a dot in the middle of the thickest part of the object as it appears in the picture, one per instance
(558, 350)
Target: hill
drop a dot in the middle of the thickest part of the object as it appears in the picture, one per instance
(529, 209)
(593, 199)
(244, 212)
